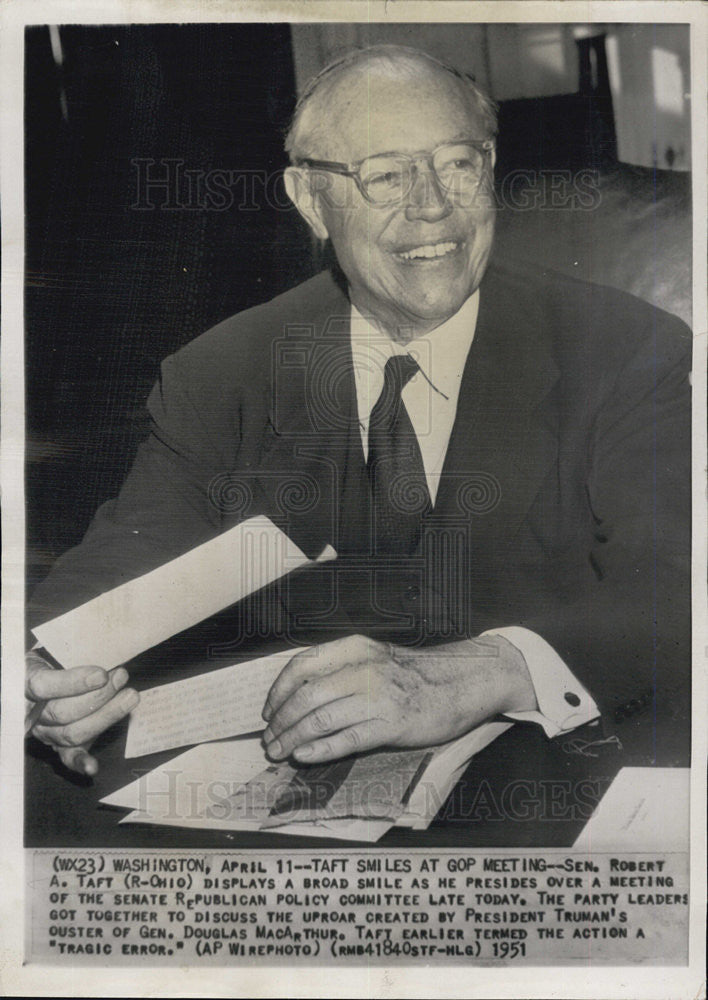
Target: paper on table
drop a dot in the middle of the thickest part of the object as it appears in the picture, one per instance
(189, 783)
(195, 789)
(122, 623)
(363, 830)
(644, 809)
(210, 706)
(443, 772)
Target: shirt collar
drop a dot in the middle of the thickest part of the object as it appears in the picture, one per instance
(441, 354)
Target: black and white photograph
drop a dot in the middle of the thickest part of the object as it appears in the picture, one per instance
(355, 412)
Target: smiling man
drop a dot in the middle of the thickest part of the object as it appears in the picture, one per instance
(501, 460)
(414, 231)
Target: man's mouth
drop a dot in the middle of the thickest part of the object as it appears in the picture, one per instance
(430, 251)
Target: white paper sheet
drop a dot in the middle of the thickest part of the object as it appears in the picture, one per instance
(122, 623)
(186, 785)
(644, 809)
(210, 706)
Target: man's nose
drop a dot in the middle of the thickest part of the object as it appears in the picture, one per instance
(427, 199)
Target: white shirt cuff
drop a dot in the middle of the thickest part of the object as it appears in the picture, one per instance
(563, 702)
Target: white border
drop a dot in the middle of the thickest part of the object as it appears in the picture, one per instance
(626, 982)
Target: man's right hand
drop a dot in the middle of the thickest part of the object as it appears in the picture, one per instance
(79, 704)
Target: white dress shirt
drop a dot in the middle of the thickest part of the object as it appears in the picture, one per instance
(430, 398)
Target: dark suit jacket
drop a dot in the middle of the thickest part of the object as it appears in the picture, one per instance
(563, 504)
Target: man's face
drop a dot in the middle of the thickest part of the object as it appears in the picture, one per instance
(379, 247)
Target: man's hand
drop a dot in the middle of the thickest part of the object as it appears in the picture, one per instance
(355, 694)
(78, 705)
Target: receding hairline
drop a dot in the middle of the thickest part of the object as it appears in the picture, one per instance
(306, 127)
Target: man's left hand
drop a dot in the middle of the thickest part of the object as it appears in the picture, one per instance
(355, 694)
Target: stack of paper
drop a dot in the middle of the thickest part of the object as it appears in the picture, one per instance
(200, 789)
(446, 766)
(232, 785)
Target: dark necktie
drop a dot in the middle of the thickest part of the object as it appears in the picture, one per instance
(395, 465)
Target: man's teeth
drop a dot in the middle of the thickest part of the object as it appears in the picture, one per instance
(429, 250)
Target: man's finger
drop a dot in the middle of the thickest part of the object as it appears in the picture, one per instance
(308, 664)
(78, 759)
(315, 694)
(326, 719)
(364, 736)
(311, 663)
(84, 731)
(43, 683)
(61, 711)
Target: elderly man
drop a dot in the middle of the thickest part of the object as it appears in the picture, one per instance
(500, 460)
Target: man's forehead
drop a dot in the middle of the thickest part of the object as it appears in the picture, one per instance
(372, 111)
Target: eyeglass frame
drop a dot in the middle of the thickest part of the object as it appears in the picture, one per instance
(353, 169)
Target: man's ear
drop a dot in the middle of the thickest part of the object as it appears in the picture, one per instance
(299, 190)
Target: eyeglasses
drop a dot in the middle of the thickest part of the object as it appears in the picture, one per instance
(388, 178)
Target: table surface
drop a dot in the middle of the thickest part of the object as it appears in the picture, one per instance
(523, 790)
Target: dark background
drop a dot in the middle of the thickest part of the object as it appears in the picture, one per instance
(111, 290)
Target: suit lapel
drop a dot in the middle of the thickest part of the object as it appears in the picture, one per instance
(505, 433)
(312, 448)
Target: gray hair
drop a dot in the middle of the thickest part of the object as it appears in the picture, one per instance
(307, 125)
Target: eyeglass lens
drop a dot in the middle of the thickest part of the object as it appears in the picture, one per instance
(389, 178)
